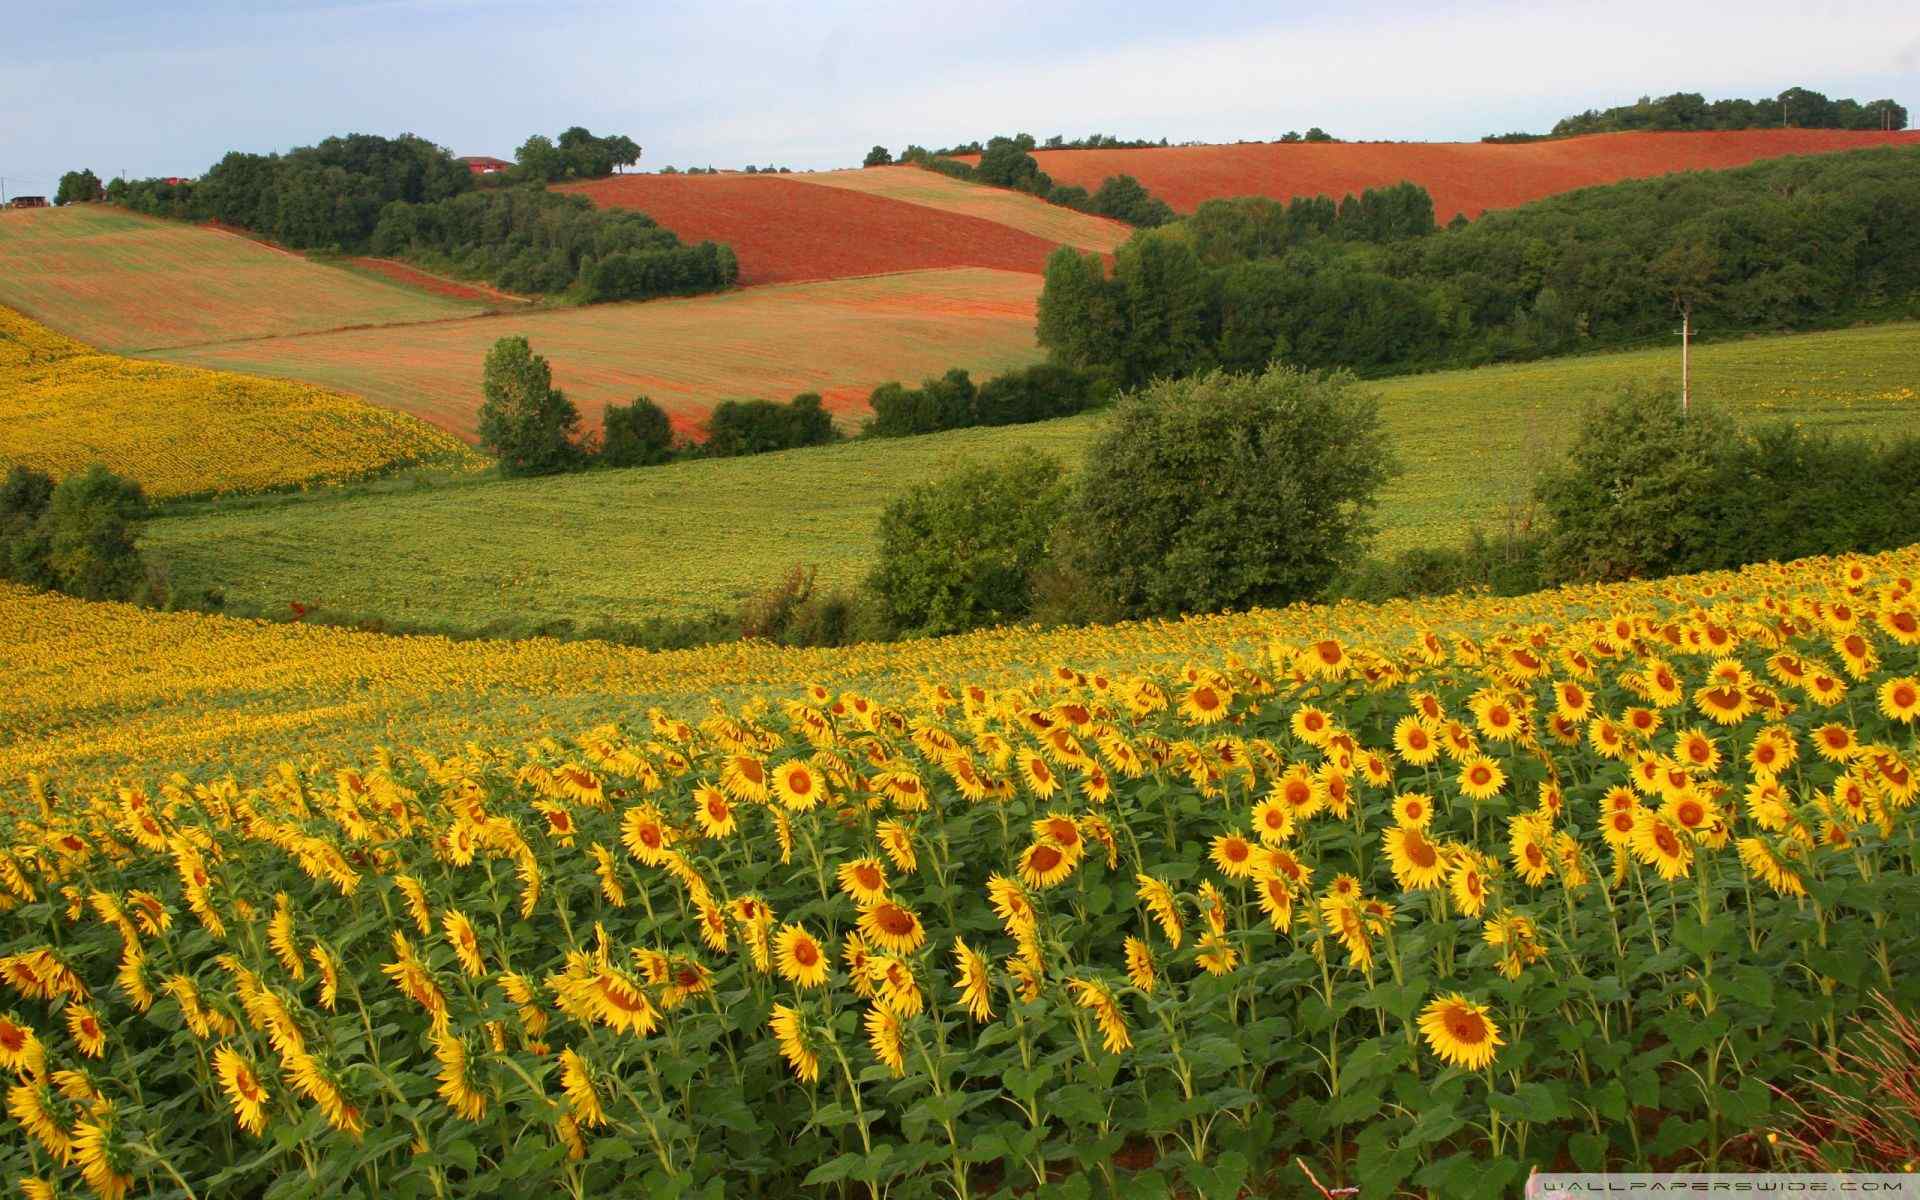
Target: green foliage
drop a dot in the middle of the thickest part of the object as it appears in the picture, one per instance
(79, 537)
(958, 553)
(23, 540)
(952, 401)
(1647, 490)
(1228, 491)
(79, 187)
(635, 435)
(577, 154)
(1008, 162)
(526, 422)
(1123, 198)
(737, 427)
(879, 156)
(1370, 285)
(1797, 107)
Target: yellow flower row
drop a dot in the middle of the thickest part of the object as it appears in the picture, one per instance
(184, 431)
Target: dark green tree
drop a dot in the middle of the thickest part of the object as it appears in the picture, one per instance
(526, 422)
(1080, 317)
(1227, 491)
(879, 156)
(635, 435)
(91, 525)
(79, 187)
(959, 553)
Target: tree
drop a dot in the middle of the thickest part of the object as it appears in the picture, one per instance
(81, 187)
(1124, 198)
(879, 156)
(959, 553)
(526, 422)
(1317, 134)
(1226, 491)
(1685, 273)
(1634, 497)
(24, 497)
(635, 435)
(91, 525)
(1080, 320)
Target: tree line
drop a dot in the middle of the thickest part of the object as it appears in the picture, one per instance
(1008, 162)
(406, 197)
(1789, 244)
(1797, 107)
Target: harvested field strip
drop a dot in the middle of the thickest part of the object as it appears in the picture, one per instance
(414, 277)
(680, 539)
(839, 338)
(1468, 177)
(125, 282)
(784, 230)
(930, 189)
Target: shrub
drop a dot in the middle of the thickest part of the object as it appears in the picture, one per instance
(877, 157)
(635, 435)
(1785, 492)
(737, 427)
(958, 553)
(1631, 498)
(90, 527)
(1226, 491)
(1039, 393)
(23, 541)
(937, 404)
(526, 422)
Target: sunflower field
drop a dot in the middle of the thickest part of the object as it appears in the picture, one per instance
(1425, 911)
(187, 431)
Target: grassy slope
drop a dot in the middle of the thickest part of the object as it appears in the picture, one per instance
(839, 338)
(126, 282)
(675, 539)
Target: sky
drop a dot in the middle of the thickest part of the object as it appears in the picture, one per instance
(135, 87)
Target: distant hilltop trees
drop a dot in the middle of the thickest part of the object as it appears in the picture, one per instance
(1797, 107)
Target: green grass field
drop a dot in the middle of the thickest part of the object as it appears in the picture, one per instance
(125, 282)
(672, 540)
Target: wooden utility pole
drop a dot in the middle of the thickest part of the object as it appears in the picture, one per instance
(1686, 337)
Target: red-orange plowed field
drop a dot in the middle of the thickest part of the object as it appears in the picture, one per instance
(786, 231)
(1468, 177)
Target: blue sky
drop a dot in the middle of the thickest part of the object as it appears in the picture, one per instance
(167, 88)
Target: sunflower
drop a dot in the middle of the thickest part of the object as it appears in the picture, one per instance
(1724, 703)
(20, 1048)
(105, 1164)
(1413, 810)
(1300, 791)
(744, 777)
(972, 981)
(800, 959)
(1497, 716)
(798, 785)
(1481, 778)
(714, 812)
(1097, 998)
(894, 985)
(1695, 751)
(416, 898)
(1205, 704)
(1416, 862)
(617, 1000)
(896, 839)
(1044, 864)
(887, 1037)
(1037, 775)
(892, 926)
(1344, 920)
(1233, 854)
(456, 1087)
(1216, 955)
(84, 1024)
(281, 938)
(644, 832)
(1140, 967)
(1659, 845)
(1324, 659)
(1414, 742)
(1276, 900)
(1900, 699)
(1459, 1032)
(1336, 788)
(1764, 865)
(1572, 701)
(1527, 844)
(1467, 884)
(789, 1030)
(864, 879)
(1160, 901)
(1010, 904)
(1272, 821)
(577, 1082)
(466, 944)
(244, 1091)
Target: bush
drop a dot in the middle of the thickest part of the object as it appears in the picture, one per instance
(82, 540)
(635, 435)
(1037, 393)
(526, 422)
(1631, 500)
(877, 157)
(1228, 491)
(737, 427)
(1784, 492)
(958, 553)
(23, 540)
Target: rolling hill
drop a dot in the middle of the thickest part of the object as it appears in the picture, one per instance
(785, 229)
(840, 338)
(1464, 177)
(680, 539)
(129, 283)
